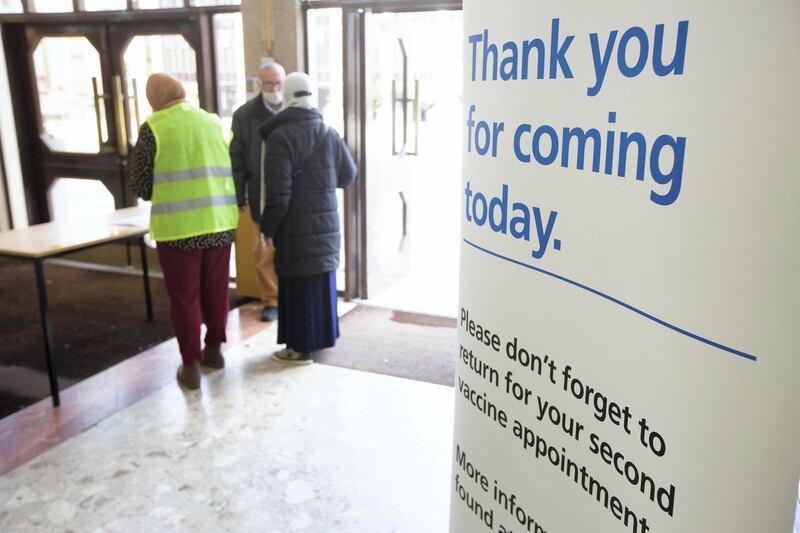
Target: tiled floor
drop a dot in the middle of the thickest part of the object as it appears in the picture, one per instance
(38, 428)
(261, 447)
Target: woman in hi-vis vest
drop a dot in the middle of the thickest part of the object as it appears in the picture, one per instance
(181, 164)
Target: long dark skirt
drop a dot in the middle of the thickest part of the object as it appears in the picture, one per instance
(307, 319)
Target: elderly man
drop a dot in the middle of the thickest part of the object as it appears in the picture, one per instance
(246, 162)
(181, 163)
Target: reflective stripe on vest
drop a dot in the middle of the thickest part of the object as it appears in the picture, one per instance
(193, 189)
(194, 173)
(187, 205)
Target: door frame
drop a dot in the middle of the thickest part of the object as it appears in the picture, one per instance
(24, 95)
(120, 36)
(355, 118)
(48, 164)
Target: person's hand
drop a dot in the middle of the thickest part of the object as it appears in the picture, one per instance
(266, 242)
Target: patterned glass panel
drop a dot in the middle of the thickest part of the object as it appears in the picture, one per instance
(65, 67)
(105, 5)
(76, 198)
(148, 54)
(159, 4)
(216, 2)
(10, 6)
(52, 6)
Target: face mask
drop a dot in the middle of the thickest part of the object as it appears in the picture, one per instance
(272, 98)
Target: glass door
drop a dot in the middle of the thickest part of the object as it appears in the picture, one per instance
(324, 46)
(89, 102)
(140, 50)
(392, 81)
(391, 119)
(413, 160)
(75, 158)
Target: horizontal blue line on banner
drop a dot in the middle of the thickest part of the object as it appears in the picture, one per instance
(618, 302)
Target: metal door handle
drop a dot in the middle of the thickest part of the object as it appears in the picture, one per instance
(416, 119)
(405, 220)
(135, 99)
(98, 99)
(404, 106)
(119, 115)
(395, 151)
(403, 100)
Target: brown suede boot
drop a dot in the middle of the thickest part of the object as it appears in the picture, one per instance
(212, 357)
(189, 375)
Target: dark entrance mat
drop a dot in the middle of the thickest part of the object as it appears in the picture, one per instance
(97, 319)
(395, 343)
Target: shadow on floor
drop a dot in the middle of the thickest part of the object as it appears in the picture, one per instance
(98, 319)
(396, 343)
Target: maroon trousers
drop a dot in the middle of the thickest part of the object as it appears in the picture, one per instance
(197, 284)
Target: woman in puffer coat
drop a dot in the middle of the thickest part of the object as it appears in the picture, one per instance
(305, 161)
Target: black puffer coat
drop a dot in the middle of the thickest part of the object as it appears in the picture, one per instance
(304, 163)
(246, 153)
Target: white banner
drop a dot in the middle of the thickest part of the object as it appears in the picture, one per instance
(630, 310)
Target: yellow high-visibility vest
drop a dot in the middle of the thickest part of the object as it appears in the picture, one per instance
(193, 189)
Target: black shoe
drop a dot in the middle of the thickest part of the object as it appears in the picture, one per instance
(268, 314)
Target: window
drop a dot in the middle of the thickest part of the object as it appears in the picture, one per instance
(105, 5)
(52, 6)
(65, 69)
(201, 3)
(10, 6)
(73, 198)
(230, 65)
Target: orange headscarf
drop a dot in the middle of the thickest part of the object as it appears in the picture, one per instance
(163, 91)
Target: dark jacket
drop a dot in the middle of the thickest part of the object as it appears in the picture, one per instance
(304, 163)
(246, 153)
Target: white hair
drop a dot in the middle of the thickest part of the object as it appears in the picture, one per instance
(274, 64)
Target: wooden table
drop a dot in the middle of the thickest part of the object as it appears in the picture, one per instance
(45, 241)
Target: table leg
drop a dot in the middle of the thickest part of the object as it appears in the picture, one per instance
(146, 277)
(41, 285)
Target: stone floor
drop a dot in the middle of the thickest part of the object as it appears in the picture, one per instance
(263, 446)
